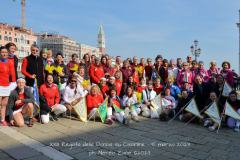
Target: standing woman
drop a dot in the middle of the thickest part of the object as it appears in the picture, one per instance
(86, 65)
(60, 73)
(32, 68)
(12, 58)
(227, 73)
(6, 71)
(43, 55)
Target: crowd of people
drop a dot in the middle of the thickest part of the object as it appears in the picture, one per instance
(129, 85)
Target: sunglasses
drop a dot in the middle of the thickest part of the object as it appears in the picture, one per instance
(73, 81)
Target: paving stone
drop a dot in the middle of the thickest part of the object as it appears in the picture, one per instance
(21, 152)
(40, 157)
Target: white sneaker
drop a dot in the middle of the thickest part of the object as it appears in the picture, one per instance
(211, 128)
(206, 123)
(180, 117)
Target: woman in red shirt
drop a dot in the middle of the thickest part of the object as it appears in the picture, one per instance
(94, 100)
(96, 72)
(6, 71)
(11, 47)
(50, 91)
(118, 81)
(114, 107)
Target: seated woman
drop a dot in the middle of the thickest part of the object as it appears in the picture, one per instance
(169, 106)
(81, 80)
(131, 83)
(111, 84)
(103, 87)
(183, 101)
(142, 85)
(140, 88)
(94, 100)
(148, 95)
(235, 103)
(50, 91)
(20, 103)
(158, 87)
(212, 126)
(114, 106)
(130, 103)
(73, 94)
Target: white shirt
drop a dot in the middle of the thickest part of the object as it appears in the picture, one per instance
(69, 94)
(173, 72)
(149, 95)
(128, 101)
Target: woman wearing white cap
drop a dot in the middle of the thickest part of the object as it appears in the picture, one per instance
(20, 103)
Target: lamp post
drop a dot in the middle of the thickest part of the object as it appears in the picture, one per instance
(238, 25)
(196, 51)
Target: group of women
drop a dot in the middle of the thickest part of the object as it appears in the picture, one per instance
(129, 86)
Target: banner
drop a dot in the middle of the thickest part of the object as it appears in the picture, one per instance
(102, 110)
(117, 109)
(81, 109)
(192, 108)
(213, 113)
(231, 112)
(156, 107)
(139, 97)
(226, 89)
(36, 94)
(154, 75)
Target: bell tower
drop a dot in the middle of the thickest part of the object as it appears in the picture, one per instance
(101, 40)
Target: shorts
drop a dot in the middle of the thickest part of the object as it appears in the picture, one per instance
(5, 91)
(19, 110)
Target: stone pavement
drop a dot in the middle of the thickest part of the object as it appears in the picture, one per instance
(149, 138)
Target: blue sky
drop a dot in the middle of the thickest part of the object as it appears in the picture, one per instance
(139, 27)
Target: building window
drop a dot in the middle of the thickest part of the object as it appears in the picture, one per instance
(10, 39)
(15, 40)
(5, 38)
(28, 42)
(0, 37)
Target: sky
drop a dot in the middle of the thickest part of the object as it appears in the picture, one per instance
(139, 27)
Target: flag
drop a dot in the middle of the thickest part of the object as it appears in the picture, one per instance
(36, 94)
(157, 102)
(231, 112)
(156, 107)
(116, 108)
(139, 97)
(81, 110)
(154, 75)
(226, 89)
(213, 113)
(102, 110)
(192, 108)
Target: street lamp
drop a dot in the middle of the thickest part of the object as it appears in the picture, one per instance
(195, 50)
